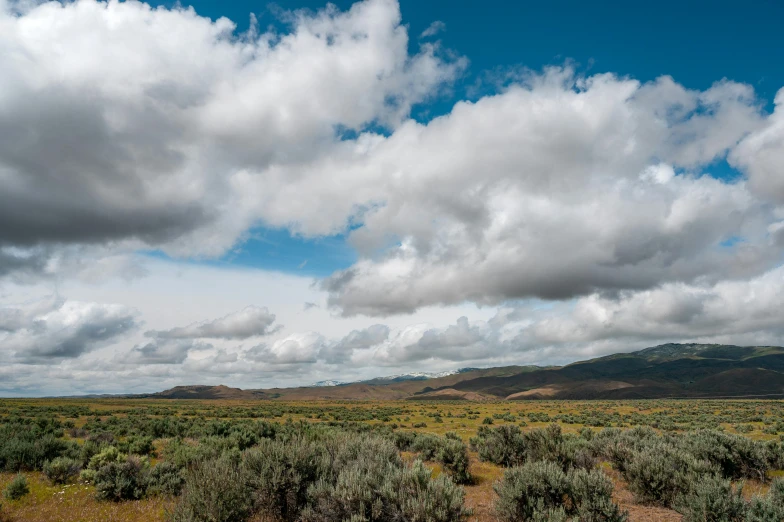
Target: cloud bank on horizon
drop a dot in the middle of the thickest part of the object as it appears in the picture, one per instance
(563, 215)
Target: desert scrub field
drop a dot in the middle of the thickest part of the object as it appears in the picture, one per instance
(148, 460)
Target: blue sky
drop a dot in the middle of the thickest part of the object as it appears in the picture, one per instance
(697, 43)
(693, 41)
(279, 249)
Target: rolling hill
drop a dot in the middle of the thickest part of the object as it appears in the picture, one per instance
(666, 371)
(671, 370)
(207, 392)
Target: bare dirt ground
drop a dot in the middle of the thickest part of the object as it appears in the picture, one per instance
(480, 495)
(638, 512)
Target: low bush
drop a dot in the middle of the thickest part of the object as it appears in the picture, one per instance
(762, 509)
(735, 456)
(404, 439)
(712, 499)
(183, 453)
(137, 446)
(592, 492)
(386, 494)
(660, 473)
(61, 470)
(165, 479)
(316, 474)
(87, 451)
(88, 475)
(453, 455)
(17, 488)
(530, 489)
(106, 456)
(769, 507)
(280, 473)
(427, 445)
(776, 491)
(543, 491)
(504, 445)
(508, 446)
(126, 480)
(618, 446)
(450, 451)
(26, 449)
(215, 491)
(545, 444)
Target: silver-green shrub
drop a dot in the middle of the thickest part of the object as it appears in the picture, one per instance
(659, 473)
(538, 490)
(61, 470)
(215, 491)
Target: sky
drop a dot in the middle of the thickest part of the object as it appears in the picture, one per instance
(272, 194)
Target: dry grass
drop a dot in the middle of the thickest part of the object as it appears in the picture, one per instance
(480, 495)
(421, 412)
(637, 512)
(752, 488)
(75, 503)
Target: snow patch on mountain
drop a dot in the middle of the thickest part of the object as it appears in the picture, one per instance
(412, 376)
(330, 382)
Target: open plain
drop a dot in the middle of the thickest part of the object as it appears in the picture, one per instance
(158, 431)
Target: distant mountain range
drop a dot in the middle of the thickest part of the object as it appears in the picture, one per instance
(328, 383)
(414, 376)
(666, 371)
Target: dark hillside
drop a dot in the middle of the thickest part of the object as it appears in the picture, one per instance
(670, 370)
